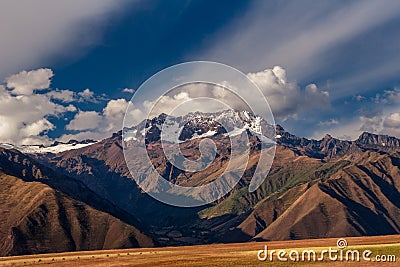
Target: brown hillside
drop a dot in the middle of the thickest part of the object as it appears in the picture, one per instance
(38, 219)
(361, 199)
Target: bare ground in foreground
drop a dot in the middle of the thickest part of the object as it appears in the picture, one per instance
(238, 254)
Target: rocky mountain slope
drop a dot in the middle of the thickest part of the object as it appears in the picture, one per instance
(42, 211)
(316, 188)
(360, 199)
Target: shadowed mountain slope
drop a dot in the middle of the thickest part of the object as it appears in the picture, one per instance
(316, 188)
(42, 211)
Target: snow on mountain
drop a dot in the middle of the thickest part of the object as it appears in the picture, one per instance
(207, 134)
(198, 125)
(55, 148)
(7, 146)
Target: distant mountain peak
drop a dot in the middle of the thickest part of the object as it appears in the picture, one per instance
(279, 129)
(73, 142)
(376, 140)
(199, 124)
(327, 137)
(54, 148)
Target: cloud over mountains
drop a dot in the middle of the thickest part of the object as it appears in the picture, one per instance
(38, 109)
(286, 98)
(30, 109)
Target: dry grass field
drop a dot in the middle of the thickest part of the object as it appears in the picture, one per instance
(240, 254)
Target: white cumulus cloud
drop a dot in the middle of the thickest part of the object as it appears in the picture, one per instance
(28, 105)
(25, 82)
(128, 90)
(286, 98)
(97, 125)
(87, 96)
(66, 96)
(24, 118)
(84, 120)
(392, 120)
(37, 127)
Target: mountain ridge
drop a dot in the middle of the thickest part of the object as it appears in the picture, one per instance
(199, 124)
(335, 184)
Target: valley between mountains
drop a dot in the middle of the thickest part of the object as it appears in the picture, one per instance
(84, 198)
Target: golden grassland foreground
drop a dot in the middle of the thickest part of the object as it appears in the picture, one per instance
(238, 254)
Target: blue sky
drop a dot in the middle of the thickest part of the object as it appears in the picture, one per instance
(340, 60)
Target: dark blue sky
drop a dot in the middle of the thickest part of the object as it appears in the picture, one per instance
(148, 37)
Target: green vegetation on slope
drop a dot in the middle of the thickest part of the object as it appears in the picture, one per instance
(278, 182)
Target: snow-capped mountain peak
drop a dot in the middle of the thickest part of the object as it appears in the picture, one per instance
(199, 125)
(54, 148)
